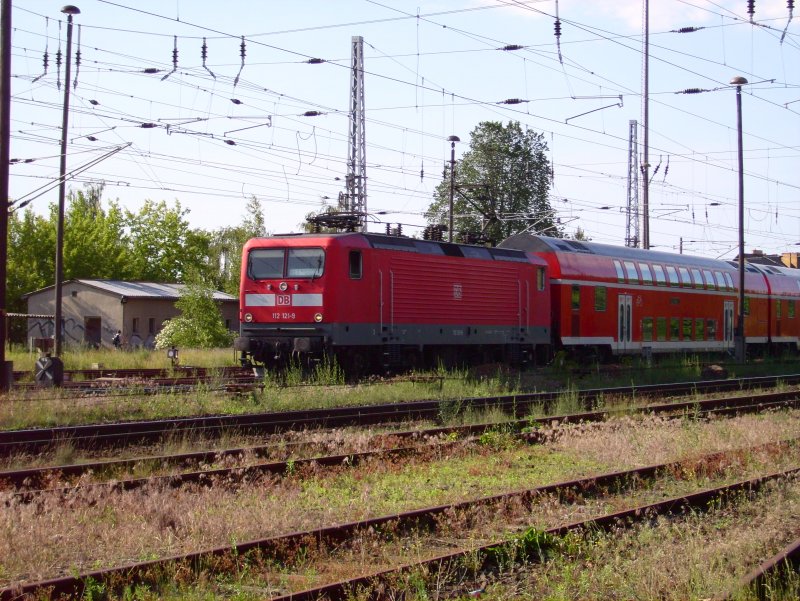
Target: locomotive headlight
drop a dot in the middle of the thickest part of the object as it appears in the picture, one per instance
(283, 286)
(248, 317)
(318, 317)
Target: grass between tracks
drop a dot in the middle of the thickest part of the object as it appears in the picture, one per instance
(124, 399)
(90, 530)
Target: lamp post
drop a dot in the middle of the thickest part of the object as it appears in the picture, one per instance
(68, 10)
(452, 140)
(740, 345)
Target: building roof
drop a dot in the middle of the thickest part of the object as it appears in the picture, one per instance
(137, 289)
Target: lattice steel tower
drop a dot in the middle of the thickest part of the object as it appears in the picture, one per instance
(356, 180)
(632, 223)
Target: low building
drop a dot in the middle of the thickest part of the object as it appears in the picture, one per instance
(94, 310)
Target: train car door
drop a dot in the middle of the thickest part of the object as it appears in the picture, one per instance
(727, 326)
(625, 322)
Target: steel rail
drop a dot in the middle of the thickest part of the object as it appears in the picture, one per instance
(28, 478)
(339, 591)
(129, 432)
(280, 547)
(786, 559)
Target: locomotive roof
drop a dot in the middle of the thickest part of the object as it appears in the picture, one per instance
(428, 247)
(532, 243)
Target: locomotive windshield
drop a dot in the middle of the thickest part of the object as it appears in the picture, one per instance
(274, 263)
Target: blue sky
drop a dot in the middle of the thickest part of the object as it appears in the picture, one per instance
(433, 69)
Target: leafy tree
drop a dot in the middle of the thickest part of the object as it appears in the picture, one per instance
(225, 248)
(158, 237)
(502, 185)
(200, 324)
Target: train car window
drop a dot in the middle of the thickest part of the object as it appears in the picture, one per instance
(540, 278)
(576, 297)
(476, 252)
(661, 279)
(778, 304)
(428, 248)
(265, 263)
(687, 328)
(747, 305)
(698, 278)
(305, 263)
(790, 309)
(672, 274)
(711, 329)
(698, 328)
(630, 270)
(504, 254)
(720, 280)
(729, 280)
(355, 265)
(600, 298)
(647, 275)
(661, 328)
(647, 329)
(620, 273)
(709, 279)
(674, 328)
(686, 279)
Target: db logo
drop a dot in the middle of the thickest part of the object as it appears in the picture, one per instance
(283, 300)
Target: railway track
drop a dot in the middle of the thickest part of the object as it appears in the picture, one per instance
(93, 436)
(29, 481)
(283, 548)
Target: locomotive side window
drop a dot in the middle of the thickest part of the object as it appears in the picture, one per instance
(709, 279)
(674, 328)
(620, 273)
(265, 263)
(698, 278)
(661, 279)
(576, 298)
(355, 265)
(600, 296)
(778, 309)
(686, 279)
(305, 263)
(647, 276)
(540, 278)
(790, 309)
(630, 270)
(747, 305)
(672, 273)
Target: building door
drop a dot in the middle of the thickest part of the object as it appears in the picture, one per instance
(92, 331)
(625, 322)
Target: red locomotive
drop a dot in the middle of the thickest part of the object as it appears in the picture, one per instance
(374, 301)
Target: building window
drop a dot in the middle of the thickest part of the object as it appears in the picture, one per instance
(151, 325)
(576, 298)
(135, 325)
(600, 296)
